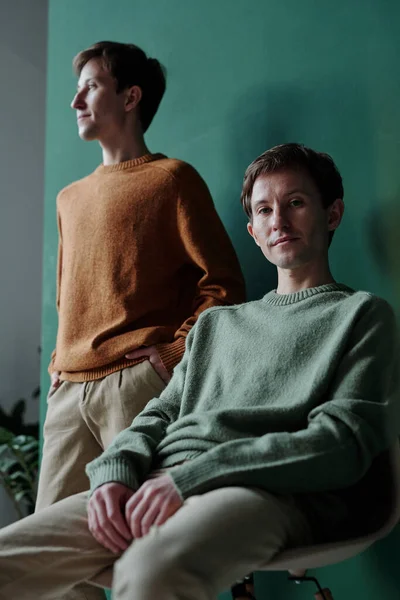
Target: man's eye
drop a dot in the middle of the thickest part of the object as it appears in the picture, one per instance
(296, 202)
(264, 210)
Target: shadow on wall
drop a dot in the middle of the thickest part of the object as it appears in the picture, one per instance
(382, 226)
(383, 558)
(328, 117)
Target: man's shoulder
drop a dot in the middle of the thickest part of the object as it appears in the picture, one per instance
(176, 169)
(227, 313)
(73, 187)
(369, 301)
(370, 309)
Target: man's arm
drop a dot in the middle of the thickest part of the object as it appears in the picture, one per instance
(54, 374)
(206, 246)
(120, 507)
(359, 419)
(128, 460)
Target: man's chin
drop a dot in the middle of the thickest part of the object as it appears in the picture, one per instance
(87, 135)
(288, 262)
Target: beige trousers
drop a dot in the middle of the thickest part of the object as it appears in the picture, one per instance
(82, 420)
(212, 541)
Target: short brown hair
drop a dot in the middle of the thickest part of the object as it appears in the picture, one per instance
(318, 165)
(129, 66)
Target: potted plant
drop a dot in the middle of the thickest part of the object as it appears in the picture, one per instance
(19, 458)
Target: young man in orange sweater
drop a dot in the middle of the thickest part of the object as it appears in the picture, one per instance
(142, 252)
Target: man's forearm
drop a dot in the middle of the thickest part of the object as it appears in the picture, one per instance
(129, 458)
(329, 454)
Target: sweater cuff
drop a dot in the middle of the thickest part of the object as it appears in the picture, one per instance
(114, 470)
(171, 354)
(193, 477)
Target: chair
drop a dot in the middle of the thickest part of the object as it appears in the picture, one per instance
(298, 560)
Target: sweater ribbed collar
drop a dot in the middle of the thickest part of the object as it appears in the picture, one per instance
(284, 299)
(128, 164)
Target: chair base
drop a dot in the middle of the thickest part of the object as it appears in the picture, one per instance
(327, 595)
(244, 589)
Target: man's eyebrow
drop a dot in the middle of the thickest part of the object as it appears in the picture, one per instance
(297, 191)
(264, 200)
(260, 201)
(87, 80)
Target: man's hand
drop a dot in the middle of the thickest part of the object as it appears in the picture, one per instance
(154, 502)
(55, 379)
(106, 509)
(155, 361)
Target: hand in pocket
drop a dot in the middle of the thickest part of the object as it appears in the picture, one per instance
(151, 353)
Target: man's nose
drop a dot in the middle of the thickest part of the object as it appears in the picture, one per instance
(78, 101)
(279, 218)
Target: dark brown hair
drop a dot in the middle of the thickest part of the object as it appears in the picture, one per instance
(129, 66)
(318, 165)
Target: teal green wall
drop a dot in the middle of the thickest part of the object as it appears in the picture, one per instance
(244, 76)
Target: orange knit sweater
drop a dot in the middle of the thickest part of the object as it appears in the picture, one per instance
(142, 252)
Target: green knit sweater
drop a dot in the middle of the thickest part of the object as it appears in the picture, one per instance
(295, 394)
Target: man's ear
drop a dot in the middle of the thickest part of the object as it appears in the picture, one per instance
(133, 95)
(251, 232)
(335, 214)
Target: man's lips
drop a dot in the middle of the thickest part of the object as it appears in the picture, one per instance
(284, 239)
(82, 117)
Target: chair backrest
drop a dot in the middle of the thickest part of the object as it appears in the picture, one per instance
(320, 555)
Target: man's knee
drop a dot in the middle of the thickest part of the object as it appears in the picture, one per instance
(150, 566)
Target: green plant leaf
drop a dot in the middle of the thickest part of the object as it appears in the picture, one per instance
(5, 436)
(20, 440)
(4, 449)
(19, 475)
(6, 464)
(22, 495)
(30, 445)
(32, 460)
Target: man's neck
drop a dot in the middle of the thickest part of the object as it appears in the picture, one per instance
(123, 150)
(294, 280)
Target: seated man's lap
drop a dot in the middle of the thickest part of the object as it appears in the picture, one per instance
(220, 535)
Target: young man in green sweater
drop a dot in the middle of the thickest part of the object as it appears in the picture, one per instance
(262, 438)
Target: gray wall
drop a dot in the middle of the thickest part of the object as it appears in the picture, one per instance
(23, 44)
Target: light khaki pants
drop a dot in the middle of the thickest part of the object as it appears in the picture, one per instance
(212, 541)
(82, 420)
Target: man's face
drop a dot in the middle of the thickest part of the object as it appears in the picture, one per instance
(99, 109)
(289, 223)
